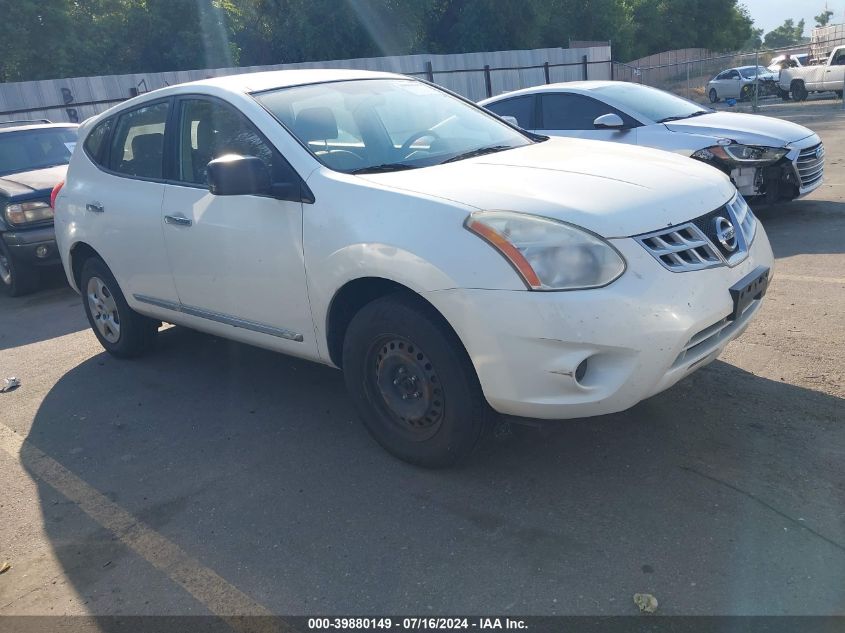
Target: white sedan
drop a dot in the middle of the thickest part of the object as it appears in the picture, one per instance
(449, 263)
(767, 158)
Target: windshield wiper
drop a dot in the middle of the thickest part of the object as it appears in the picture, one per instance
(481, 151)
(685, 116)
(380, 169)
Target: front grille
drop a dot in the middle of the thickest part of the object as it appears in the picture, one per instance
(695, 245)
(810, 165)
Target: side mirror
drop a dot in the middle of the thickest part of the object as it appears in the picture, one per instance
(510, 119)
(234, 175)
(609, 121)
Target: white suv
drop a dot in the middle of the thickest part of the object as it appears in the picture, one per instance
(447, 262)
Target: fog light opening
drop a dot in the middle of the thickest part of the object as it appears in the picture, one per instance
(41, 252)
(581, 371)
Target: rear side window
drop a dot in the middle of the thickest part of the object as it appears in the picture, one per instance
(95, 142)
(137, 146)
(521, 108)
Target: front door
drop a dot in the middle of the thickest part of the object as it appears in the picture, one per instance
(237, 261)
(569, 114)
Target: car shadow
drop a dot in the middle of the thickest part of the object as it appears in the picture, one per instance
(51, 311)
(804, 227)
(721, 495)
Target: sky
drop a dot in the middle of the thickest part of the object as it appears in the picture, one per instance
(769, 14)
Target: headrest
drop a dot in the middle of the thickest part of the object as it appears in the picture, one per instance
(316, 124)
(147, 145)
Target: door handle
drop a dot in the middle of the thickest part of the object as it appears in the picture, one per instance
(94, 207)
(177, 220)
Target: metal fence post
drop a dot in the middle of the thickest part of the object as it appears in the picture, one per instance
(487, 82)
(689, 92)
(546, 72)
(429, 71)
(584, 61)
(756, 78)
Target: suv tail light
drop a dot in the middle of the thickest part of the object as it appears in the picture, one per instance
(55, 193)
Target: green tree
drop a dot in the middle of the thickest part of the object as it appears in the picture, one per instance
(786, 34)
(823, 18)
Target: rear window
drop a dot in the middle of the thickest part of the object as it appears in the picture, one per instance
(29, 150)
(520, 108)
(137, 145)
(95, 142)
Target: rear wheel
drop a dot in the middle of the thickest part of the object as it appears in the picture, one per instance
(713, 96)
(16, 279)
(121, 331)
(412, 382)
(798, 90)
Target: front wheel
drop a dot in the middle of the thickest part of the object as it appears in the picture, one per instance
(412, 382)
(16, 279)
(747, 93)
(121, 331)
(713, 96)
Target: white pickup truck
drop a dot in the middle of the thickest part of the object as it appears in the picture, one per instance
(801, 81)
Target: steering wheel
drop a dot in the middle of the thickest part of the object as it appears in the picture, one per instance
(406, 146)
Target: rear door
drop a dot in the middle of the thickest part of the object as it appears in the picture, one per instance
(237, 261)
(120, 192)
(569, 114)
(732, 85)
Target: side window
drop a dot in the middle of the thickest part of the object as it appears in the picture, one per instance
(137, 145)
(521, 108)
(723, 75)
(734, 74)
(95, 142)
(209, 130)
(562, 111)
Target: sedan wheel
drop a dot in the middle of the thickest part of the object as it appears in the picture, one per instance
(713, 96)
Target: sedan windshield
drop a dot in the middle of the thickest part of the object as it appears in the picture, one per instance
(652, 103)
(379, 125)
(28, 150)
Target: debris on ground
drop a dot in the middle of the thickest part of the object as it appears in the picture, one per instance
(5, 567)
(9, 384)
(645, 602)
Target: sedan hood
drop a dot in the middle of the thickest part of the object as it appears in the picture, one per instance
(27, 182)
(742, 128)
(611, 189)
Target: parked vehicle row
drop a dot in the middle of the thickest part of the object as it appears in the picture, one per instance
(453, 265)
(766, 158)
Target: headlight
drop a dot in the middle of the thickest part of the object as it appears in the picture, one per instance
(548, 254)
(28, 212)
(742, 154)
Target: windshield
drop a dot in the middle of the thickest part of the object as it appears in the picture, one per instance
(750, 72)
(374, 125)
(29, 150)
(651, 102)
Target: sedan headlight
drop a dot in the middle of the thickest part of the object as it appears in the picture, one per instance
(548, 254)
(28, 212)
(738, 154)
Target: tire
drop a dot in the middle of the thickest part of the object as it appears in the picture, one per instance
(747, 93)
(798, 90)
(839, 93)
(412, 382)
(714, 98)
(121, 331)
(16, 278)
(783, 94)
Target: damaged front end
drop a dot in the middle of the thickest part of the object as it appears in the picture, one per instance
(768, 174)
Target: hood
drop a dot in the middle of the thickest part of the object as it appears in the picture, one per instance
(27, 182)
(612, 189)
(743, 128)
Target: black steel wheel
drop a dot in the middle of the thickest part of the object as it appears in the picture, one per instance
(412, 382)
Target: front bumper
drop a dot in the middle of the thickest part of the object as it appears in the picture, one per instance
(35, 246)
(639, 336)
(798, 174)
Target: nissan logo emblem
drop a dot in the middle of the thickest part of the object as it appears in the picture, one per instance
(726, 234)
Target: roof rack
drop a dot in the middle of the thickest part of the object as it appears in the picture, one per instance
(23, 122)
